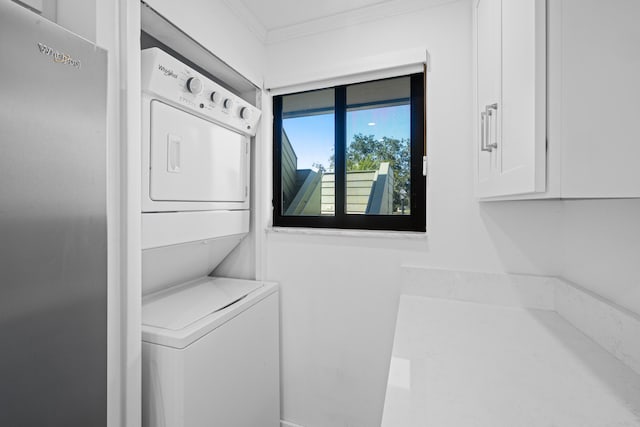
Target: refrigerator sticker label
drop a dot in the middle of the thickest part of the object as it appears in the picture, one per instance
(58, 57)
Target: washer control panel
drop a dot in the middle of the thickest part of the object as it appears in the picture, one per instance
(167, 78)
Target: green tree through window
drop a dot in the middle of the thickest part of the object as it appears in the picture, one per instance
(365, 152)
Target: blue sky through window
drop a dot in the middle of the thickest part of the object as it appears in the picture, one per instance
(312, 136)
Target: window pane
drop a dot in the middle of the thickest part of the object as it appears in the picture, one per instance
(308, 184)
(378, 147)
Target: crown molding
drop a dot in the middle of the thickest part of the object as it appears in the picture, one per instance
(360, 16)
(248, 18)
(333, 22)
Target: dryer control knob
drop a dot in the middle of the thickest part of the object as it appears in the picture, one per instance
(194, 85)
(227, 103)
(245, 113)
(215, 97)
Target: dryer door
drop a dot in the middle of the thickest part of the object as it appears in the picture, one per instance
(193, 159)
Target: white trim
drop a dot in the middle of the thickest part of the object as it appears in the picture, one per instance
(107, 37)
(261, 185)
(400, 235)
(131, 256)
(353, 17)
(118, 30)
(399, 63)
(284, 423)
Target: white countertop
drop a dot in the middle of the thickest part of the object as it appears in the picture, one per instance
(467, 364)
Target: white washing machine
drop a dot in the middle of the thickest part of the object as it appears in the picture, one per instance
(210, 355)
(210, 350)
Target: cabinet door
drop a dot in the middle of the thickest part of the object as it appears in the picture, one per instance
(488, 85)
(512, 148)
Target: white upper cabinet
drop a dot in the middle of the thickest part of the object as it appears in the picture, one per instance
(510, 96)
(557, 98)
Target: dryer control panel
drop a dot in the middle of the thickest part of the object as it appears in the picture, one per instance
(167, 78)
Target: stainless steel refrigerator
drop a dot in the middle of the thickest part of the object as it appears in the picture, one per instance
(53, 230)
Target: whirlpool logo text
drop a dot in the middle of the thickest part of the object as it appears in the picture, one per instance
(167, 72)
(58, 57)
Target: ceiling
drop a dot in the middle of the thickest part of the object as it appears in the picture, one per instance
(275, 14)
(277, 20)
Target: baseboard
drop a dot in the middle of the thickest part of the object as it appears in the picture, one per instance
(284, 423)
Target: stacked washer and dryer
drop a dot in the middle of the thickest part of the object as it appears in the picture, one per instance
(210, 344)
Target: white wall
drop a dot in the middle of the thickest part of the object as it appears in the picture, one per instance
(213, 25)
(337, 327)
(79, 16)
(601, 240)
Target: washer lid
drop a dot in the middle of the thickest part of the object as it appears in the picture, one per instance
(180, 306)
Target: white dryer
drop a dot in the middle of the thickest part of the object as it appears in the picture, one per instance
(210, 344)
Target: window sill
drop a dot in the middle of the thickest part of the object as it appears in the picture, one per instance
(400, 235)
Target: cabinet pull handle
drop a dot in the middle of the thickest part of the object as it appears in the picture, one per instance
(483, 130)
(490, 120)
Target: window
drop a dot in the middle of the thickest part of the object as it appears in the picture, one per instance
(351, 156)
